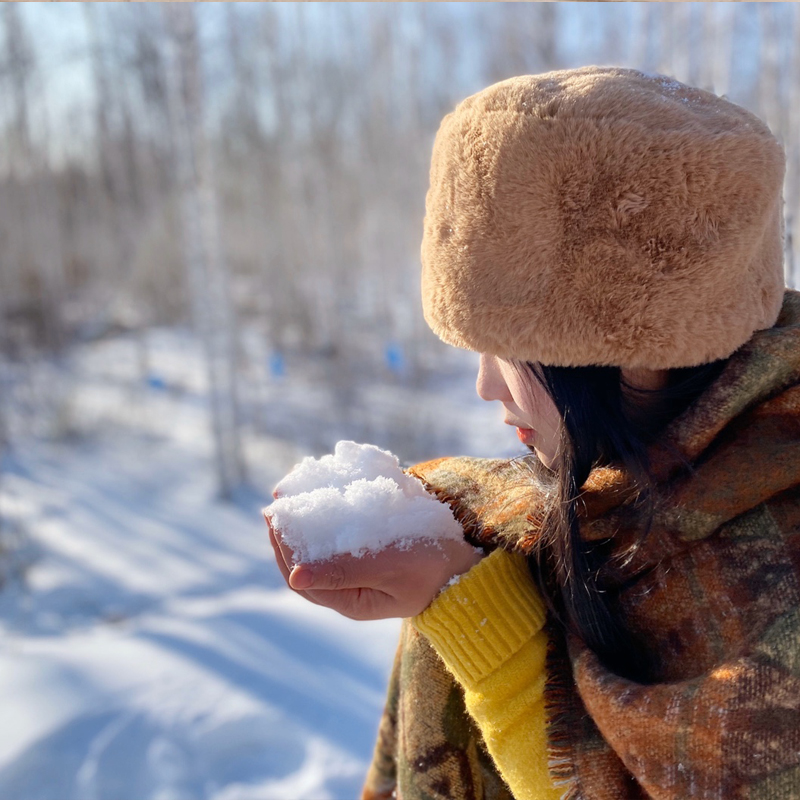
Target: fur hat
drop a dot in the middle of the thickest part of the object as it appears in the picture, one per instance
(603, 216)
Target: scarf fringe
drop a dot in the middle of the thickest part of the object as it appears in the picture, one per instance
(562, 716)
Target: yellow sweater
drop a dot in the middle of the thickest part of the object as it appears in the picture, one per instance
(487, 628)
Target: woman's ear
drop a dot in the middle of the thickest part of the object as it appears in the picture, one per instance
(645, 379)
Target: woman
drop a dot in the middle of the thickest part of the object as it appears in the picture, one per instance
(611, 243)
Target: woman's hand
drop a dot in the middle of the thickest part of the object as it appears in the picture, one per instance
(391, 583)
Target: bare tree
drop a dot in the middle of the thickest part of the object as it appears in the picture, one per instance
(719, 44)
(681, 51)
(770, 97)
(40, 256)
(116, 159)
(205, 263)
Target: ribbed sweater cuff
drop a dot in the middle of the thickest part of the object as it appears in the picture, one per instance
(482, 620)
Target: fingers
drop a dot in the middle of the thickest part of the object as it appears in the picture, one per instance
(284, 562)
(358, 604)
(328, 581)
(278, 554)
(336, 574)
(283, 555)
(286, 554)
(370, 571)
(301, 577)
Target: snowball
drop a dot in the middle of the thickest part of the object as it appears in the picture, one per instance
(356, 501)
(349, 462)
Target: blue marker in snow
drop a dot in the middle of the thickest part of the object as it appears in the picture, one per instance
(395, 360)
(277, 364)
(156, 382)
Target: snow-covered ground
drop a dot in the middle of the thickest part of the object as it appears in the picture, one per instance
(149, 649)
(153, 651)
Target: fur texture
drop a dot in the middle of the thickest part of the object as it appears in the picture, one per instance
(603, 216)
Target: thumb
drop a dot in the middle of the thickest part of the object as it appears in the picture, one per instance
(340, 573)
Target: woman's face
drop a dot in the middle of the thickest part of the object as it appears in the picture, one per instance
(527, 405)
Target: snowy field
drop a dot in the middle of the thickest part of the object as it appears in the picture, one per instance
(149, 648)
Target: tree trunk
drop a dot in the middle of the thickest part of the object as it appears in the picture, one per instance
(206, 267)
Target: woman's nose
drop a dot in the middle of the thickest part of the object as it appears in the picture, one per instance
(490, 384)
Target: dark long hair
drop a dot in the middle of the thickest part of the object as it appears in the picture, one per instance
(605, 422)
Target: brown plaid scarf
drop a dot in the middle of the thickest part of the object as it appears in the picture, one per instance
(712, 595)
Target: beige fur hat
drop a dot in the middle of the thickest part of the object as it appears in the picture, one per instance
(602, 216)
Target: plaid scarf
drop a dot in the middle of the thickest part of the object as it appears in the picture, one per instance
(712, 595)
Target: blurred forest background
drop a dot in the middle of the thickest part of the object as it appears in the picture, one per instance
(210, 218)
(246, 182)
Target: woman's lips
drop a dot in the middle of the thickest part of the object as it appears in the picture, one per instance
(526, 435)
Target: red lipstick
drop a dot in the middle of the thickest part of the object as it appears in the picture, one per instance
(526, 435)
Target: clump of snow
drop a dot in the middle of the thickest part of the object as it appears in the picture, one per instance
(454, 580)
(349, 462)
(357, 500)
